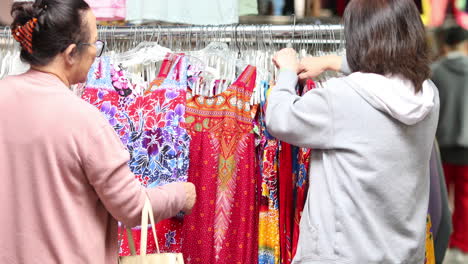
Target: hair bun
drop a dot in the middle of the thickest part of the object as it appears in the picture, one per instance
(22, 12)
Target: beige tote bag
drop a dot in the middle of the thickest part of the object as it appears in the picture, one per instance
(158, 258)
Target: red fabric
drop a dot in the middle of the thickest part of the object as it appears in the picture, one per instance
(457, 175)
(223, 226)
(285, 202)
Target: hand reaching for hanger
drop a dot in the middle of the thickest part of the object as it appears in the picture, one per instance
(286, 59)
(311, 67)
(190, 197)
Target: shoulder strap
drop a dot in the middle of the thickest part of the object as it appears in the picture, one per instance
(173, 67)
(247, 79)
(168, 63)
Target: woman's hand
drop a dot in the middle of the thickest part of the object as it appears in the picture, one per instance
(287, 59)
(312, 67)
(190, 197)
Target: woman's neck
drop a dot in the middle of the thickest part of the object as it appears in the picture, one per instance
(53, 70)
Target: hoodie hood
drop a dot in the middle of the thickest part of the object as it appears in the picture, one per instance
(394, 96)
(456, 63)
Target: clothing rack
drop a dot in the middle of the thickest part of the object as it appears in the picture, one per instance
(278, 34)
(253, 43)
(274, 29)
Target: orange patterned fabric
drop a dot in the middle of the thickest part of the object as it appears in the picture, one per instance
(223, 225)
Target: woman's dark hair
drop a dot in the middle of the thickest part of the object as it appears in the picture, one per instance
(387, 37)
(60, 23)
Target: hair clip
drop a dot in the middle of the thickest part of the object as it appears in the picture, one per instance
(23, 34)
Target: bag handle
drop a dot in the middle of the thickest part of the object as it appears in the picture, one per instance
(147, 211)
(131, 241)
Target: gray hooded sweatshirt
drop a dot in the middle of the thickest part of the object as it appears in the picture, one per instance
(372, 138)
(450, 75)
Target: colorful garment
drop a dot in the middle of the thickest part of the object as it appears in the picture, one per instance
(159, 146)
(301, 161)
(268, 226)
(301, 187)
(102, 90)
(152, 129)
(222, 227)
(286, 209)
(430, 253)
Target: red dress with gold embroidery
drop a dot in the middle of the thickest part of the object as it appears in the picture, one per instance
(223, 226)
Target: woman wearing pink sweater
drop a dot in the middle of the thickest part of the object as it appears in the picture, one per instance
(64, 179)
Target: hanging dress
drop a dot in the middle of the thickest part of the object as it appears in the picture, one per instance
(98, 88)
(222, 227)
(159, 146)
(151, 127)
(108, 90)
(286, 208)
(268, 226)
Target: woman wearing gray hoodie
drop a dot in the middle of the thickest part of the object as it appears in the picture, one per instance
(372, 133)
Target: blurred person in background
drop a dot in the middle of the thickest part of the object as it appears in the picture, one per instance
(450, 74)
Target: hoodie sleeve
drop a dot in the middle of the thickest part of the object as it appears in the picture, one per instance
(301, 121)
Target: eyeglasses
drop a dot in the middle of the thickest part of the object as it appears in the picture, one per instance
(99, 47)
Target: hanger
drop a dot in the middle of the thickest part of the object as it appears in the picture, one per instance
(216, 57)
(290, 43)
(143, 53)
(4, 53)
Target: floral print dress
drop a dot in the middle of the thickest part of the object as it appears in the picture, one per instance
(160, 145)
(151, 126)
(108, 90)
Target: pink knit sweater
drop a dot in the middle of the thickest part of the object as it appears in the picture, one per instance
(64, 179)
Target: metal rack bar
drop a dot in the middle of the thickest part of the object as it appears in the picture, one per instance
(272, 30)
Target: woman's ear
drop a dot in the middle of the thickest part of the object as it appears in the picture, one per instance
(70, 54)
